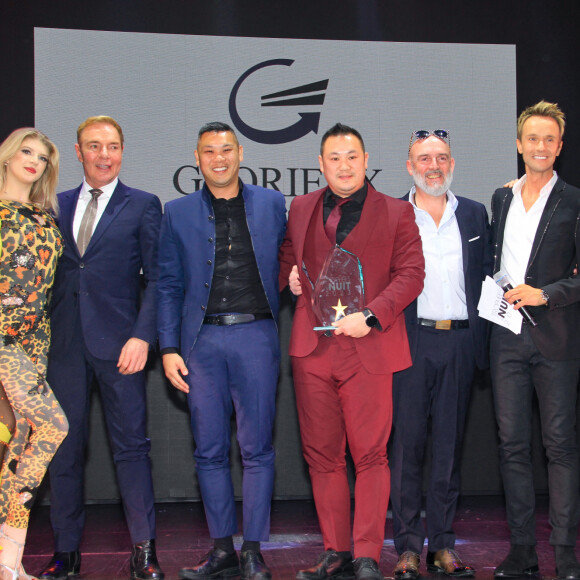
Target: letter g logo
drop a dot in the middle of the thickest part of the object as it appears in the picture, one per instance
(307, 122)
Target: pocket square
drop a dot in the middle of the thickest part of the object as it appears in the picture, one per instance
(473, 239)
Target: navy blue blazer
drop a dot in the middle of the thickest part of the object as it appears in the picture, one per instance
(477, 264)
(187, 254)
(104, 287)
(555, 253)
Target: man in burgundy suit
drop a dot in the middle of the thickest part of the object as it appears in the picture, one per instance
(343, 378)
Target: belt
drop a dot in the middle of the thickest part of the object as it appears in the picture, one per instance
(229, 319)
(443, 324)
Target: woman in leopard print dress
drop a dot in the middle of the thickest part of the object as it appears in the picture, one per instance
(30, 247)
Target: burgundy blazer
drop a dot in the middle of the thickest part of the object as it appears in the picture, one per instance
(387, 242)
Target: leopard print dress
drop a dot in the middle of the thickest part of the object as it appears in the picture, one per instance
(29, 251)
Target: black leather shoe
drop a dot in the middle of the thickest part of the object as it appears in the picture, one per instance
(367, 569)
(253, 566)
(407, 567)
(521, 561)
(330, 565)
(217, 563)
(144, 564)
(448, 562)
(567, 566)
(63, 565)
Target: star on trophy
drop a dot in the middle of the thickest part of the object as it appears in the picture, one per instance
(339, 289)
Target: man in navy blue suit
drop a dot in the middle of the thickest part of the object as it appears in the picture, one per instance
(218, 304)
(448, 341)
(103, 323)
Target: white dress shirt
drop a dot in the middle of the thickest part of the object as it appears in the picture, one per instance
(443, 295)
(520, 230)
(84, 198)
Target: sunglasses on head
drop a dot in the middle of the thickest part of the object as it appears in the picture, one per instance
(421, 134)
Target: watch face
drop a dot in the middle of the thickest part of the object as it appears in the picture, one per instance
(371, 320)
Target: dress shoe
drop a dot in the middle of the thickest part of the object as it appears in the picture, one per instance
(447, 561)
(367, 569)
(521, 561)
(407, 567)
(253, 566)
(63, 565)
(217, 563)
(144, 564)
(330, 565)
(567, 566)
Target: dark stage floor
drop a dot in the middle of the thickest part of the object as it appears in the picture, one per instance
(295, 541)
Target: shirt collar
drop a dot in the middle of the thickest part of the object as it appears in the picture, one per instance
(106, 189)
(452, 201)
(519, 184)
(358, 196)
(213, 198)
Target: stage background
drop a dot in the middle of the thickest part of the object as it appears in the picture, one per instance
(167, 95)
(546, 50)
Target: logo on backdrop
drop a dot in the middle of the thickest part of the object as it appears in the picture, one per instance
(292, 181)
(302, 96)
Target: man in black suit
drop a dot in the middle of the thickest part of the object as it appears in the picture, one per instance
(536, 241)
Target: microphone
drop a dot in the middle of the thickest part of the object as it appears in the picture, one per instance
(503, 280)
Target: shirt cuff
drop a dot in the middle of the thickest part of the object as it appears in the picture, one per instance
(169, 350)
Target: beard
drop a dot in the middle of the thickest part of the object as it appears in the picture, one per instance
(434, 190)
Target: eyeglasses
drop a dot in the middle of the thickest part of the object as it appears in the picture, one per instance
(421, 134)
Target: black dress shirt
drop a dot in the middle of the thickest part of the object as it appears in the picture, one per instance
(236, 285)
(351, 211)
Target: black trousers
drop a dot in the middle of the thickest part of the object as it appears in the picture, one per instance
(437, 389)
(517, 370)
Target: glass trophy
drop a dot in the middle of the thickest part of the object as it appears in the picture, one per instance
(339, 290)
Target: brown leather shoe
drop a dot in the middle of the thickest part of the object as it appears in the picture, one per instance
(330, 565)
(407, 567)
(447, 561)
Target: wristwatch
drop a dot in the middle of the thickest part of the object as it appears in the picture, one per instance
(370, 319)
(545, 296)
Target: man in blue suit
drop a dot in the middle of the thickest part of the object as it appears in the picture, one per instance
(103, 324)
(218, 304)
(448, 340)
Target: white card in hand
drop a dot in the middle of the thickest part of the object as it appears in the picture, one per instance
(494, 307)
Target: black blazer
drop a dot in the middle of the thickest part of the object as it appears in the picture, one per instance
(555, 253)
(477, 262)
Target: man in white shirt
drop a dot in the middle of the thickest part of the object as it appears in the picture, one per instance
(447, 341)
(537, 243)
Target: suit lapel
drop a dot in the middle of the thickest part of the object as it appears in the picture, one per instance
(309, 206)
(118, 201)
(551, 205)
(503, 209)
(67, 203)
(248, 196)
(462, 221)
(357, 240)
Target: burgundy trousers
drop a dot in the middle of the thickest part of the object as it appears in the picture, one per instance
(338, 401)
